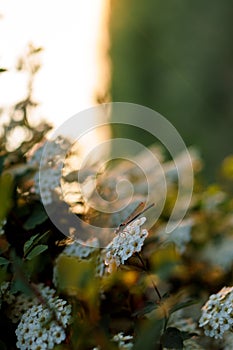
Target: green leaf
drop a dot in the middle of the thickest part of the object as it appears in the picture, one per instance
(149, 335)
(36, 251)
(2, 158)
(37, 217)
(75, 274)
(4, 261)
(28, 245)
(32, 242)
(182, 305)
(20, 281)
(146, 309)
(172, 338)
(2, 70)
(77, 277)
(6, 190)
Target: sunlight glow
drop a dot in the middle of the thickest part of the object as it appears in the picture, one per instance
(70, 33)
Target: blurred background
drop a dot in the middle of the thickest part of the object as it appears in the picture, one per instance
(175, 57)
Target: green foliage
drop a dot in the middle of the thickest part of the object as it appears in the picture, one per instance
(3, 261)
(149, 335)
(36, 251)
(6, 190)
(145, 298)
(37, 217)
(173, 56)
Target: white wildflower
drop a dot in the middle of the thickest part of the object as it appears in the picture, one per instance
(125, 244)
(122, 341)
(5, 293)
(2, 223)
(81, 249)
(24, 302)
(217, 313)
(49, 158)
(43, 326)
(54, 150)
(46, 182)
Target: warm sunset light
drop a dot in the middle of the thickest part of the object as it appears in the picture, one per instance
(116, 175)
(72, 35)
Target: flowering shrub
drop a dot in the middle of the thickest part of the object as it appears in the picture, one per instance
(144, 289)
(217, 313)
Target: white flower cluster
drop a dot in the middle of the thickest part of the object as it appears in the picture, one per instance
(5, 294)
(54, 149)
(80, 249)
(2, 223)
(24, 302)
(43, 326)
(50, 167)
(125, 244)
(124, 342)
(217, 313)
(46, 182)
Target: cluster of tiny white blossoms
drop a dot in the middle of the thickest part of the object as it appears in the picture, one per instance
(24, 302)
(81, 249)
(217, 313)
(2, 223)
(5, 294)
(54, 150)
(125, 244)
(124, 342)
(43, 326)
(48, 179)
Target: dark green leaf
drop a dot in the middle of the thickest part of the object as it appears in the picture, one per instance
(2, 158)
(32, 242)
(172, 338)
(37, 217)
(146, 309)
(20, 282)
(2, 70)
(4, 261)
(36, 251)
(19, 285)
(149, 335)
(6, 189)
(182, 305)
(29, 243)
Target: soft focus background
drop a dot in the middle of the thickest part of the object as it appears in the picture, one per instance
(147, 287)
(174, 57)
(177, 58)
(72, 36)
